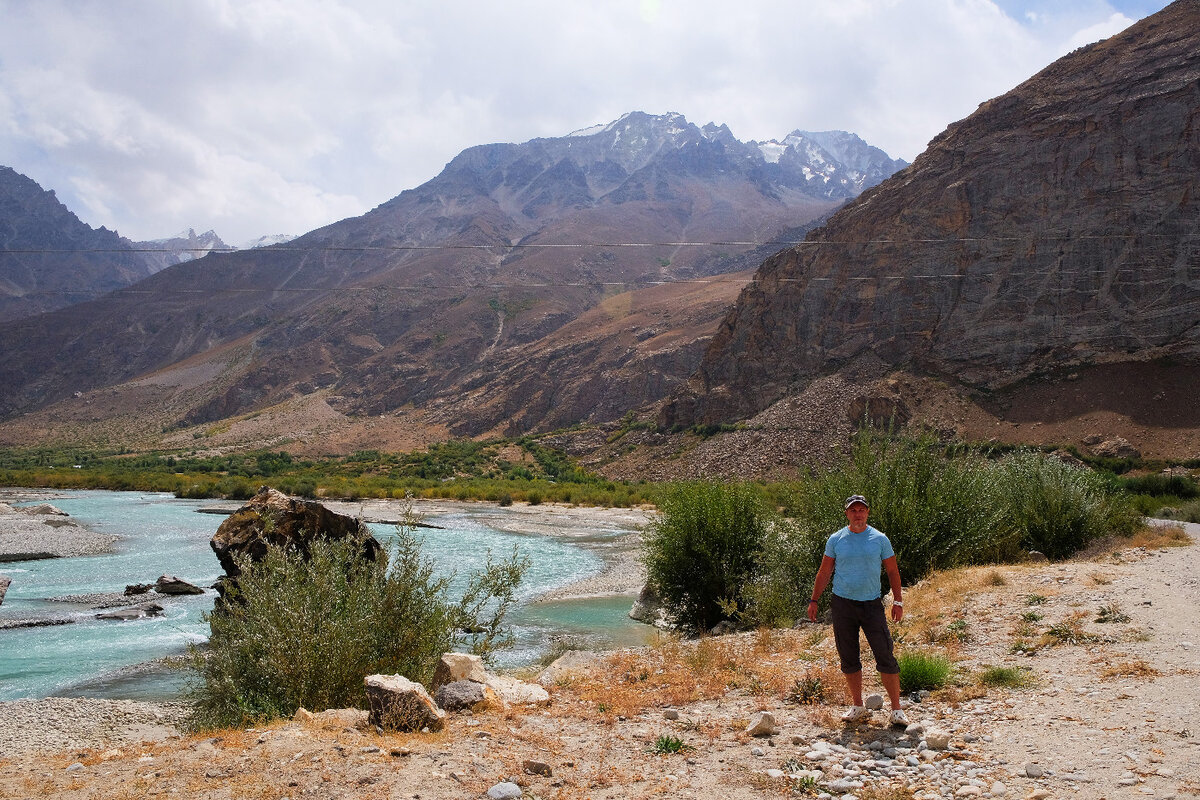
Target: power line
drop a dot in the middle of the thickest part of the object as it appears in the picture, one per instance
(585, 245)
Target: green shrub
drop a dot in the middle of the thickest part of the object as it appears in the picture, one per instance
(703, 549)
(921, 670)
(298, 631)
(1056, 508)
(1010, 677)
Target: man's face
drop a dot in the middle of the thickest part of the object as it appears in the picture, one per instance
(857, 514)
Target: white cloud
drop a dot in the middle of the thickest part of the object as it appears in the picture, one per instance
(265, 116)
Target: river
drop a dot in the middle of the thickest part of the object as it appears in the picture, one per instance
(160, 534)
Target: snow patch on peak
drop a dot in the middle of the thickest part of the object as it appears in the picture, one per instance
(772, 151)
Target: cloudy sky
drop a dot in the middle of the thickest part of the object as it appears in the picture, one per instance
(256, 117)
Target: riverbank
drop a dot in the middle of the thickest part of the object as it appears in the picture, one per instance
(1107, 713)
(43, 531)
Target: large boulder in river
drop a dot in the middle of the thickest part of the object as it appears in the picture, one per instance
(4, 583)
(273, 518)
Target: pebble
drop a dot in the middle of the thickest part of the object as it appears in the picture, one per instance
(504, 791)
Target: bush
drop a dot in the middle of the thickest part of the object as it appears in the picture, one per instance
(920, 670)
(703, 550)
(298, 631)
(938, 512)
(1055, 508)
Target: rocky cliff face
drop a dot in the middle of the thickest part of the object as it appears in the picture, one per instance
(49, 258)
(1057, 226)
(453, 287)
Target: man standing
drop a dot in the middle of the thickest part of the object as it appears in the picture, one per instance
(853, 557)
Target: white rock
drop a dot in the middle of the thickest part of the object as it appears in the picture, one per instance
(504, 791)
(761, 724)
(874, 702)
(937, 738)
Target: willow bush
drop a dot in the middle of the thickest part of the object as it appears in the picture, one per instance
(304, 631)
(703, 549)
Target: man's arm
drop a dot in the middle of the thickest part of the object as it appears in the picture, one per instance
(893, 573)
(822, 580)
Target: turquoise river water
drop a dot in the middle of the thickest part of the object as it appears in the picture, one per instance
(163, 535)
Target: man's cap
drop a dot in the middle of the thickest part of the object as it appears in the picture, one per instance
(856, 498)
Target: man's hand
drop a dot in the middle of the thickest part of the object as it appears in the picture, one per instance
(812, 612)
(897, 612)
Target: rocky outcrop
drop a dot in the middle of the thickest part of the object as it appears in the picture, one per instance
(273, 518)
(5, 582)
(454, 667)
(1058, 225)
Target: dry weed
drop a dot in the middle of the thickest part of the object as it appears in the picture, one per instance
(995, 578)
(1100, 579)
(1129, 669)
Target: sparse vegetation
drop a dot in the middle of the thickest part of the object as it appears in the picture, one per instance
(1112, 613)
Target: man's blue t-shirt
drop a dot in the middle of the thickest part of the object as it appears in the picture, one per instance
(858, 558)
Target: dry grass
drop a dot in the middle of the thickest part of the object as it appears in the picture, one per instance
(1100, 579)
(1129, 669)
(995, 578)
(1153, 536)
(766, 664)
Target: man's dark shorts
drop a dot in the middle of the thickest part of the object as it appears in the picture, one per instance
(848, 617)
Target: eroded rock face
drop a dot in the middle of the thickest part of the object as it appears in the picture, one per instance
(273, 518)
(5, 582)
(1056, 226)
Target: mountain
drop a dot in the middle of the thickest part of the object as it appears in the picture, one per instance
(449, 296)
(49, 258)
(1050, 239)
(186, 246)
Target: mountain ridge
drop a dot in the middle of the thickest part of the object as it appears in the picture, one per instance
(438, 288)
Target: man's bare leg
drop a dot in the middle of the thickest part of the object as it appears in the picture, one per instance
(854, 686)
(891, 683)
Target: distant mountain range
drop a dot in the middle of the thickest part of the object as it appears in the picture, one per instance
(456, 296)
(50, 259)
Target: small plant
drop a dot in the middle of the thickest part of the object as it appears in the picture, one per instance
(807, 691)
(921, 670)
(805, 784)
(1068, 631)
(1008, 677)
(1100, 579)
(1022, 646)
(1112, 613)
(1035, 599)
(1032, 616)
(958, 631)
(669, 745)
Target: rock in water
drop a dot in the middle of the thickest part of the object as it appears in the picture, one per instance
(5, 582)
(133, 612)
(273, 518)
(402, 705)
(169, 584)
